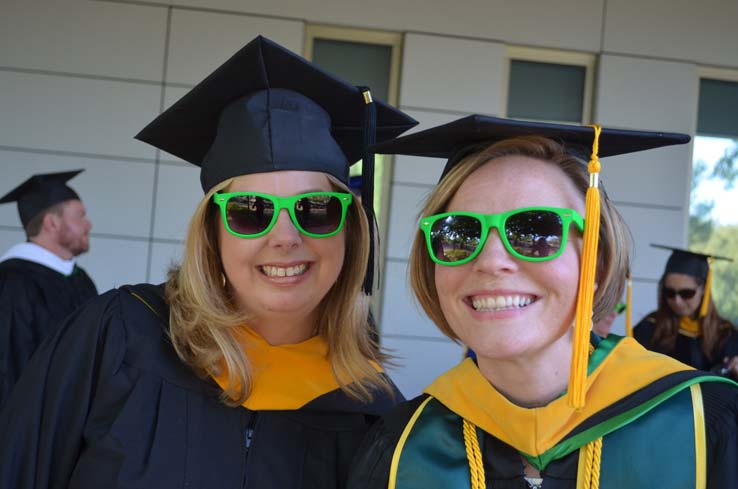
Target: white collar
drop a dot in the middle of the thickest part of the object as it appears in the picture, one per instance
(42, 256)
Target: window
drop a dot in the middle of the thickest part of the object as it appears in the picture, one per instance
(713, 210)
(549, 85)
(370, 58)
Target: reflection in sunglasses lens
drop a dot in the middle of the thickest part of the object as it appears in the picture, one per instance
(249, 214)
(319, 214)
(455, 237)
(534, 233)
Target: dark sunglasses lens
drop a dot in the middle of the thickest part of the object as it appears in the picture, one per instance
(319, 214)
(249, 214)
(535, 234)
(454, 238)
(685, 294)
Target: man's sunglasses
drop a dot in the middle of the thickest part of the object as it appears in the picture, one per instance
(530, 234)
(314, 214)
(685, 294)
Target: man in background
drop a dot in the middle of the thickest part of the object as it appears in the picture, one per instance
(40, 282)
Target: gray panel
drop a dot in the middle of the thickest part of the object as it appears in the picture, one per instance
(420, 361)
(655, 177)
(652, 226)
(437, 74)
(115, 262)
(405, 204)
(116, 194)
(178, 193)
(202, 41)
(163, 256)
(568, 24)
(646, 94)
(74, 114)
(699, 31)
(94, 38)
(401, 314)
(10, 237)
(545, 91)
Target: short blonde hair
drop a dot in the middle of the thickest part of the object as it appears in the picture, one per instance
(614, 246)
(203, 315)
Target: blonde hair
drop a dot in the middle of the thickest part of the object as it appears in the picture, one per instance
(614, 246)
(203, 316)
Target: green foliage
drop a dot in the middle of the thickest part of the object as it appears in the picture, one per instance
(705, 235)
(726, 167)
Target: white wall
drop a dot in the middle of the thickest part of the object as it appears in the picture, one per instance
(79, 78)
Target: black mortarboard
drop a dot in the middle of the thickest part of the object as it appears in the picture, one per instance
(268, 109)
(688, 262)
(40, 192)
(463, 136)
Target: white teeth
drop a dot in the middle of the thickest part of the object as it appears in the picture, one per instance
(500, 303)
(271, 271)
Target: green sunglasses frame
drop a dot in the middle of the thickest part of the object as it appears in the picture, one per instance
(280, 203)
(497, 221)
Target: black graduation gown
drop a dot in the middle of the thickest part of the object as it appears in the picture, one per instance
(107, 403)
(34, 299)
(686, 350)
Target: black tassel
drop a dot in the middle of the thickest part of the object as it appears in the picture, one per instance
(367, 182)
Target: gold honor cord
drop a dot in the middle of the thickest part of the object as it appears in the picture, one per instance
(583, 318)
(629, 308)
(590, 458)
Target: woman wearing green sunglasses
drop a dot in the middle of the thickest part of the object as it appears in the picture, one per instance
(254, 365)
(517, 253)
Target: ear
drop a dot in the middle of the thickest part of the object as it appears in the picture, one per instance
(51, 222)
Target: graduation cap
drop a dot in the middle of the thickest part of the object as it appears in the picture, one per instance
(694, 264)
(467, 135)
(40, 192)
(470, 134)
(267, 109)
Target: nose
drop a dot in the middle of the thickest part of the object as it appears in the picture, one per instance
(494, 257)
(284, 234)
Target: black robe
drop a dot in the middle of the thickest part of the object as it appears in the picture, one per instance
(34, 300)
(687, 350)
(107, 403)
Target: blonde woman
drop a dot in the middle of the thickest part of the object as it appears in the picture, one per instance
(514, 261)
(253, 366)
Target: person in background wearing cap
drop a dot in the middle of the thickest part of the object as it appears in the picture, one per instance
(547, 404)
(252, 366)
(40, 281)
(686, 324)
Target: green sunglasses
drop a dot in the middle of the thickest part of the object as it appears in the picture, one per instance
(314, 214)
(530, 234)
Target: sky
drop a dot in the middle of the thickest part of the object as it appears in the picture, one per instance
(710, 150)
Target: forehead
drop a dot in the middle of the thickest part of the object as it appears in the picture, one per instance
(680, 280)
(281, 182)
(511, 182)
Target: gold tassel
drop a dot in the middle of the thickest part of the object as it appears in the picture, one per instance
(585, 297)
(708, 286)
(629, 308)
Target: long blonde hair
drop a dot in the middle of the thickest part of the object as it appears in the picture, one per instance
(203, 316)
(614, 245)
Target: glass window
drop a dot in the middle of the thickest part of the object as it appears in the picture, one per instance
(713, 211)
(546, 91)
